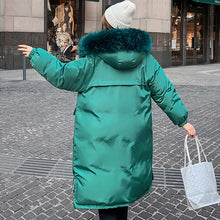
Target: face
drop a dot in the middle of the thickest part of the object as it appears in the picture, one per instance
(64, 27)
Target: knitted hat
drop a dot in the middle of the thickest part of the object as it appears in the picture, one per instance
(120, 15)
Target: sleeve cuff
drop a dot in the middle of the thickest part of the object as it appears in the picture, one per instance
(183, 123)
(31, 54)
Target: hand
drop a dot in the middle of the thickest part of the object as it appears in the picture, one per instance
(74, 49)
(25, 49)
(190, 129)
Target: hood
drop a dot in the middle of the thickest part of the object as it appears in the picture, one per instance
(120, 48)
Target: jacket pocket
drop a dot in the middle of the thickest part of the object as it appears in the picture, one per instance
(74, 112)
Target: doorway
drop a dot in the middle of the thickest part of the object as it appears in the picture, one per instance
(189, 32)
(195, 30)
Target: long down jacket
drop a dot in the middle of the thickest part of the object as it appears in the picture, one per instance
(115, 78)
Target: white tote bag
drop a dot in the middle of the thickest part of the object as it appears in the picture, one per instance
(199, 180)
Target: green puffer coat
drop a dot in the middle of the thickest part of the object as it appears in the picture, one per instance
(115, 80)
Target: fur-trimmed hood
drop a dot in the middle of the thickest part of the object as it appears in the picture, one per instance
(121, 48)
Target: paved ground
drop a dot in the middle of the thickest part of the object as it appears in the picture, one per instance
(37, 122)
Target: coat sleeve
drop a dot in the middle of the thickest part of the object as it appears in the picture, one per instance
(166, 97)
(73, 76)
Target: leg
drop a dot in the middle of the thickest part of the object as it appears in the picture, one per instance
(107, 214)
(120, 213)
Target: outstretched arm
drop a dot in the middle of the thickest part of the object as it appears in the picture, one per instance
(72, 76)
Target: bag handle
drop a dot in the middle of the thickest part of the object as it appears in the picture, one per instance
(199, 145)
(186, 151)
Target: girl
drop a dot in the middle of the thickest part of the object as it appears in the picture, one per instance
(115, 78)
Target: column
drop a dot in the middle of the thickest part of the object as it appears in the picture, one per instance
(183, 31)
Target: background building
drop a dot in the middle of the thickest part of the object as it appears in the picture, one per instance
(195, 31)
(183, 31)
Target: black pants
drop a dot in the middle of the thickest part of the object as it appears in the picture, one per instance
(120, 213)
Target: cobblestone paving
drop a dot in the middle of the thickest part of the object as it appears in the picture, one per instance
(28, 197)
(37, 122)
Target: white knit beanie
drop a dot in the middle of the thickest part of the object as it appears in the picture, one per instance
(120, 15)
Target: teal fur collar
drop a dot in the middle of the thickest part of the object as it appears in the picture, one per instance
(110, 41)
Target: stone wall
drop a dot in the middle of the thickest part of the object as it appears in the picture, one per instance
(10, 57)
(21, 22)
(22, 15)
(154, 16)
(93, 14)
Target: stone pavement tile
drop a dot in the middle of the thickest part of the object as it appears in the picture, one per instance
(61, 213)
(41, 217)
(190, 213)
(131, 214)
(171, 217)
(144, 215)
(137, 209)
(151, 209)
(184, 217)
(216, 212)
(6, 213)
(211, 218)
(3, 207)
(51, 195)
(169, 206)
(50, 212)
(158, 215)
(144, 204)
(150, 199)
(17, 215)
(29, 216)
(53, 217)
(75, 215)
(38, 211)
(16, 207)
(88, 215)
(46, 205)
(164, 211)
(137, 218)
(199, 218)
(181, 207)
(157, 204)
(204, 213)
(66, 201)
